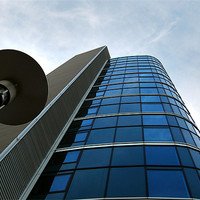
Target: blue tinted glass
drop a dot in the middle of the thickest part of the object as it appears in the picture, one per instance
(152, 108)
(128, 85)
(131, 79)
(196, 157)
(128, 134)
(148, 91)
(114, 86)
(88, 183)
(95, 158)
(177, 134)
(147, 85)
(80, 137)
(112, 92)
(92, 110)
(154, 120)
(188, 137)
(193, 182)
(130, 99)
(108, 109)
(167, 108)
(166, 184)
(135, 107)
(181, 122)
(127, 182)
(123, 156)
(105, 122)
(57, 196)
(196, 138)
(164, 99)
(130, 91)
(87, 122)
(157, 134)
(101, 136)
(71, 156)
(150, 98)
(59, 183)
(161, 156)
(114, 100)
(185, 157)
(172, 120)
(146, 79)
(129, 120)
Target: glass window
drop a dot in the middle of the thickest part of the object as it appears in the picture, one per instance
(185, 157)
(112, 92)
(108, 101)
(188, 137)
(95, 158)
(156, 155)
(126, 182)
(150, 98)
(108, 109)
(87, 122)
(172, 120)
(129, 120)
(80, 137)
(130, 91)
(59, 183)
(57, 196)
(157, 134)
(181, 122)
(128, 85)
(88, 183)
(130, 99)
(152, 108)
(193, 182)
(123, 156)
(177, 134)
(196, 157)
(147, 85)
(71, 156)
(128, 134)
(127, 108)
(99, 136)
(110, 87)
(134, 79)
(148, 90)
(105, 122)
(166, 183)
(154, 120)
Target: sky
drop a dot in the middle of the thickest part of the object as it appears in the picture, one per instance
(54, 31)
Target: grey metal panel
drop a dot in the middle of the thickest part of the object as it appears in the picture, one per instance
(20, 164)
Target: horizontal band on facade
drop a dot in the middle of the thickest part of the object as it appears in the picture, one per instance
(126, 144)
(138, 113)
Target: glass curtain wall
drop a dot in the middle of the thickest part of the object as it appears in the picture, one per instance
(132, 137)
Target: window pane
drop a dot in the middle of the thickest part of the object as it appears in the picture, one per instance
(105, 122)
(129, 120)
(128, 134)
(95, 157)
(108, 109)
(126, 108)
(88, 184)
(127, 182)
(71, 156)
(161, 156)
(152, 108)
(157, 134)
(150, 98)
(101, 136)
(154, 120)
(123, 156)
(130, 99)
(110, 101)
(163, 183)
(59, 183)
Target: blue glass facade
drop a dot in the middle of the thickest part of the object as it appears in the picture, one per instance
(132, 137)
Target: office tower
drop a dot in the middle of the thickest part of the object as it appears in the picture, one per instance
(129, 135)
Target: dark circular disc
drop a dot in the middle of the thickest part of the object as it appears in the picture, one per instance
(32, 88)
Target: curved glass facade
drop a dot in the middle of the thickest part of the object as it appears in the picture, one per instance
(132, 137)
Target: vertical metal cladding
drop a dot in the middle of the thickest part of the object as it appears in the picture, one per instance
(132, 137)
